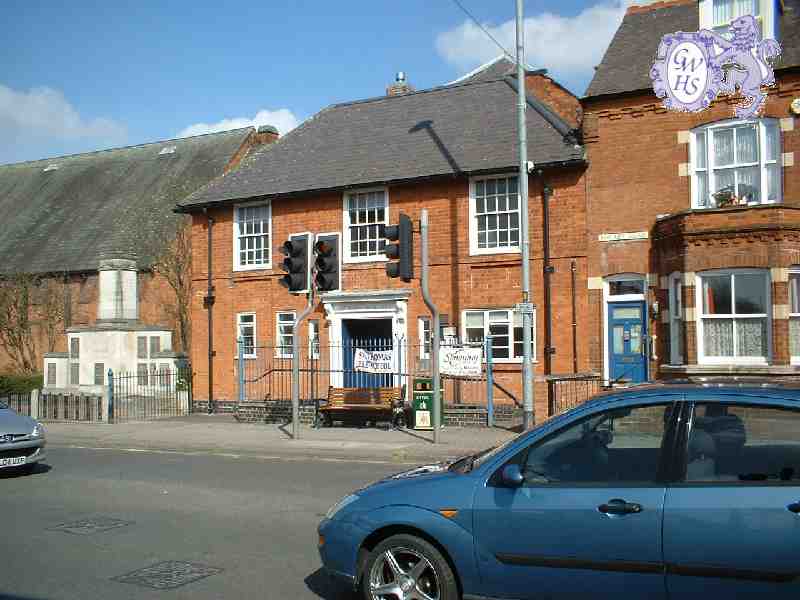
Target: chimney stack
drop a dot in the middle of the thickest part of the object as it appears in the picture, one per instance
(400, 85)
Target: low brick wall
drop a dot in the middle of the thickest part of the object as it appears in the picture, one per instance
(273, 411)
(466, 415)
(280, 411)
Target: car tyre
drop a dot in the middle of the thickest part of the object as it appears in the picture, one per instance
(402, 566)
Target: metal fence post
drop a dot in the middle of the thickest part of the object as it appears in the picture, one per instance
(240, 352)
(108, 412)
(489, 383)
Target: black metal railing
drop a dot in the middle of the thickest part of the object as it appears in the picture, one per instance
(149, 396)
(568, 391)
(70, 406)
(17, 401)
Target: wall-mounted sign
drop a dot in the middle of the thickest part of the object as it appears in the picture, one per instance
(374, 361)
(460, 361)
(622, 237)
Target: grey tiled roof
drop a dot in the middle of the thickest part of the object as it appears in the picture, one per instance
(454, 129)
(627, 61)
(101, 203)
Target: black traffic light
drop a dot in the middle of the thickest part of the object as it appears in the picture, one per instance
(296, 263)
(403, 251)
(326, 263)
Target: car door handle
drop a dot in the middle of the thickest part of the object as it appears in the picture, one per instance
(794, 507)
(617, 506)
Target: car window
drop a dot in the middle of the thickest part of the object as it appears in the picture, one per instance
(744, 444)
(616, 446)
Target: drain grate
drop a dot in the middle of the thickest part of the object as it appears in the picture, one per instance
(90, 526)
(168, 575)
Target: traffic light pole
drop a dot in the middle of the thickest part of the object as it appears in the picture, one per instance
(296, 364)
(435, 341)
(527, 312)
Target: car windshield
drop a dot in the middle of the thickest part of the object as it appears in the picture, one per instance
(481, 457)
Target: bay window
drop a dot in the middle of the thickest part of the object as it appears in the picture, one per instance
(794, 315)
(505, 328)
(736, 162)
(733, 323)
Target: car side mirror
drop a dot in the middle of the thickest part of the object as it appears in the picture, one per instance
(512, 475)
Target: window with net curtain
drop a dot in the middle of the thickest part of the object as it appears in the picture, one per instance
(505, 327)
(724, 11)
(734, 318)
(794, 314)
(736, 160)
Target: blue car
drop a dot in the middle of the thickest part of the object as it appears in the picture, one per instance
(659, 491)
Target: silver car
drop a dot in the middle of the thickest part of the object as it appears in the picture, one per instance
(22, 440)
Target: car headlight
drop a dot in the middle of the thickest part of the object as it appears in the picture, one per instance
(38, 430)
(349, 499)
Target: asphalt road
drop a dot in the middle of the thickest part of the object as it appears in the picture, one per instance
(82, 525)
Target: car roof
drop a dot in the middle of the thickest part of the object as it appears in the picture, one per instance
(765, 388)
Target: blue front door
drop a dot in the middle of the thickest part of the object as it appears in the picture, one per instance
(627, 341)
(370, 335)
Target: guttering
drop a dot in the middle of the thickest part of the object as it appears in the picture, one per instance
(226, 200)
(208, 303)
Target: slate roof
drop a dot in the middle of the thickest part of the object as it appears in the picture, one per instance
(103, 203)
(454, 129)
(626, 64)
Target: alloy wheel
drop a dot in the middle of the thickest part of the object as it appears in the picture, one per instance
(403, 574)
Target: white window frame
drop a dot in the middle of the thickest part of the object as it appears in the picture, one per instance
(278, 339)
(424, 346)
(239, 316)
(702, 358)
(512, 339)
(237, 266)
(312, 336)
(762, 163)
(766, 10)
(793, 272)
(346, 257)
(676, 318)
(473, 220)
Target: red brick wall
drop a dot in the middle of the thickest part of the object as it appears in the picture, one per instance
(633, 179)
(559, 99)
(458, 281)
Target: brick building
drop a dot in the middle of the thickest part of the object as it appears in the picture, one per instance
(351, 169)
(693, 219)
(62, 216)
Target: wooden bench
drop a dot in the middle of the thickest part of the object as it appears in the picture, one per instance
(363, 405)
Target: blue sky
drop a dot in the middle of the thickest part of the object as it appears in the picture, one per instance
(84, 75)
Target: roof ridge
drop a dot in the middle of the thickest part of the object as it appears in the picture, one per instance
(439, 88)
(116, 149)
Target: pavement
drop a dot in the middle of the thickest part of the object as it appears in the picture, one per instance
(98, 524)
(221, 435)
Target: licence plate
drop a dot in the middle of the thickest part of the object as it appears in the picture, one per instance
(12, 462)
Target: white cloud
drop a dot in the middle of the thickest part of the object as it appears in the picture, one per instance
(283, 119)
(41, 122)
(569, 47)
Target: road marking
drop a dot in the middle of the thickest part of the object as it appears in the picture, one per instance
(237, 456)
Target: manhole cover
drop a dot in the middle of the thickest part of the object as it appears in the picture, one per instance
(168, 575)
(90, 526)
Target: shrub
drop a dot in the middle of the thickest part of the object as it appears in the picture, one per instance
(20, 384)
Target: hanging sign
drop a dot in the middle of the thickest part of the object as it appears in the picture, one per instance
(461, 361)
(374, 361)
